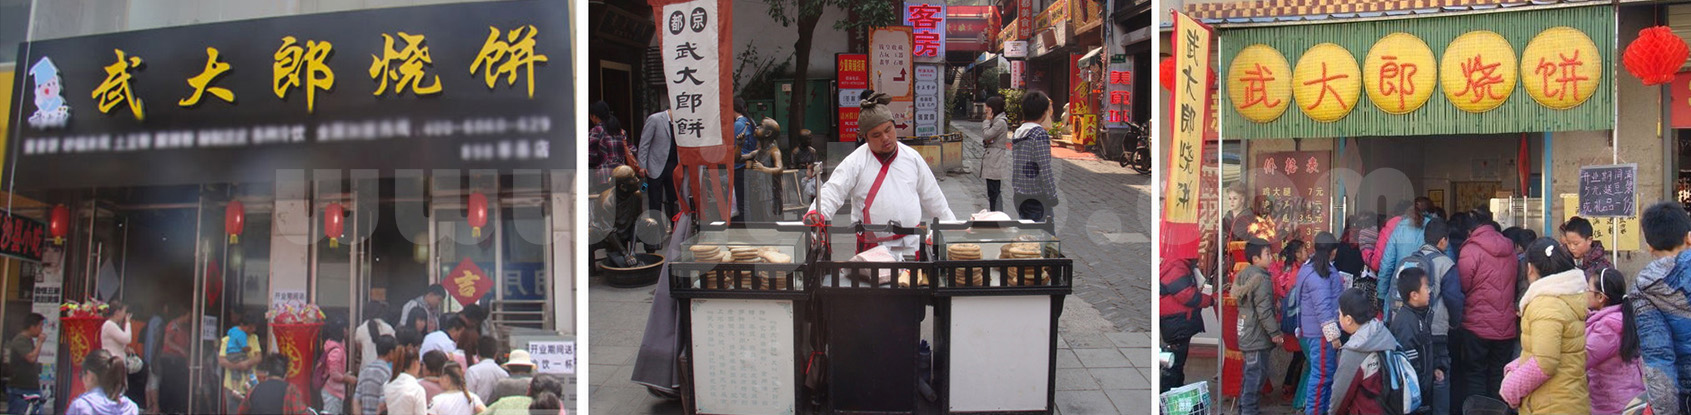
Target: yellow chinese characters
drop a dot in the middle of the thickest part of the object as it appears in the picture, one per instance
(1259, 83)
(409, 70)
(1326, 82)
(115, 89)
(505, 56)
(1399, 73)
(1478, 71)
(202, 82)
(1560, 68)
(467, 283)
(293, 62)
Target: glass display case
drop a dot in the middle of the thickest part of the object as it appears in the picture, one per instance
(998, 254)
(761, 257)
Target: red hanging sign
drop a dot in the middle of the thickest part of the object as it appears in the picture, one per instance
(467, 282)
(852, 70)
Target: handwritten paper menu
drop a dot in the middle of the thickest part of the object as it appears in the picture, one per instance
(743, 356)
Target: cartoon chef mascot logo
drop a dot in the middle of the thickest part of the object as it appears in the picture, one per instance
(50, 109)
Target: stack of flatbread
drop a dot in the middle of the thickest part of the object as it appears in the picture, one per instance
(1023, 250)
(778, 281)
(967, 276)
(706, 253)
(725, 279)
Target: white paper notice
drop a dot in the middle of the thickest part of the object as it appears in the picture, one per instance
(553, 357)
(692, 72)
(743, 356)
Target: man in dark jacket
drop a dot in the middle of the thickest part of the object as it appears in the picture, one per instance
(1489, 270)
(1412, 326)
(1180, 300)
(1258, 329)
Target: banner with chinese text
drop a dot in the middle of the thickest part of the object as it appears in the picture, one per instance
(852, 78)
(1082, 120)
(483, 85)
(927, 24)
(1180, 194)
(1536, 70)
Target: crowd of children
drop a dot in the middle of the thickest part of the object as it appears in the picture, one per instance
(1452, 312)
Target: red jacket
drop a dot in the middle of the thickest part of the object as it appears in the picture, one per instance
(1373, 257)
(1180, 294)
(1487, 266)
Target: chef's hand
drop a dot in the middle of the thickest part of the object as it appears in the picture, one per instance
(813, 218)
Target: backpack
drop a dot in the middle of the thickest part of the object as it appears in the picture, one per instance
(320, 373)
(1417, 260)
(1289, 313)
(1402, 386)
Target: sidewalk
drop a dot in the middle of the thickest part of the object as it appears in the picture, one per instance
(1100, 369)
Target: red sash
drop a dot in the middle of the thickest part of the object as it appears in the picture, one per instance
(867, 241)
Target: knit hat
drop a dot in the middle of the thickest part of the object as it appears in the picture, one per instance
(874, 112)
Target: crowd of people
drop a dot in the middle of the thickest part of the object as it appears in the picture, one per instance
(1484, 315)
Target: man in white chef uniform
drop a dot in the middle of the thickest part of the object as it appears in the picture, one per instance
(886, 182)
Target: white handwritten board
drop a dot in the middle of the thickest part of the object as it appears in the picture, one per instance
(553, 357)
(743, 356)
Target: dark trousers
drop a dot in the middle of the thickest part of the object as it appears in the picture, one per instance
(660, 195)
(1294, 371)
(1175, 375)
(1032, 209)
(739, 194)
(992, 189)
(1483, 362)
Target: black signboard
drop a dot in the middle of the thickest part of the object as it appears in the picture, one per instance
(22, 237)
(466, 86)
(1608, 191)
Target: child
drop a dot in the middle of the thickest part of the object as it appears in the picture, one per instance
(1611, 345)
(1660, 289)
(1319, 286)
(1258, 329)
(1412, 326)
(1549, 377)
(1576, 235)
(1292, 256)
(1361, 372)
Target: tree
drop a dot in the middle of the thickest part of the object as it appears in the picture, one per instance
(862, 15)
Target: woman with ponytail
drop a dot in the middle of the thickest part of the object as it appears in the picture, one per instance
(454, 399)
(1611, 344)
(1549, 377)
(1319, 286)
(404, 394)
(105, 377)
(364, 336)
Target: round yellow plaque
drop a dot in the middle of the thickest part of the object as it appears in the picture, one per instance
(1326, 82)
(1399, 73)
(1477, 71)
(1259, 83)
(1560, 68)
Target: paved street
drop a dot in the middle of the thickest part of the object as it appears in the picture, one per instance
(1104, 360)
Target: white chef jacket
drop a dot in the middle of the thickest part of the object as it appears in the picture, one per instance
(908, 195)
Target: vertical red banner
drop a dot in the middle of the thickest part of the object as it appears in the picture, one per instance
(852, 77)
(1024, 12)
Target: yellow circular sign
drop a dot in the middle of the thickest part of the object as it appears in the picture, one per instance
(1560, 68)
(1477, 71)
(1326, 82)
(1259, 83)
(1399, 73)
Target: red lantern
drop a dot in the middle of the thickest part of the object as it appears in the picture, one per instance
(234, 218)
(59, 224)
(1655, 56)
(1166, 73)
(478, 213)
(334, 223)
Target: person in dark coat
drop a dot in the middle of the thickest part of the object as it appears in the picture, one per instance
(1181, 300)
(1412, 326)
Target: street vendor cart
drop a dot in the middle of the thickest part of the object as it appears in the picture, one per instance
(871, 314)
(997, 299)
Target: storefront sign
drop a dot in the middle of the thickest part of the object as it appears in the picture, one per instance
(1608, 191)
(1430, 76)
(1083, 103)
(1260, 83)
(1478, 71)
(853, 77)
(1016, 49)
(467, 282)
(1118, 105)
(889, 61)
(928, 98)
(22, 237)
(1398, 73)
(462, 86)
(1018, 73)
(1291, 197)
(296, 298)
(1054, 16)
(1191, 63)
(927, 24)
(1558, 68)
(743, 356)
(553, 357)
(1024, 18)
(525, 281)
(1326, 82)
(970, 28)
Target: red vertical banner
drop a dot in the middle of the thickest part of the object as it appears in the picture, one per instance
(1024, 13)
(852, 78)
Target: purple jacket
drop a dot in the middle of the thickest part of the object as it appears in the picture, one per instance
(1613, 381)
(1318, 299)
(1487, 267)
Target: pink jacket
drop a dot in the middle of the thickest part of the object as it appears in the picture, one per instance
(1613, 381)
(1373, 257)
(335, 354)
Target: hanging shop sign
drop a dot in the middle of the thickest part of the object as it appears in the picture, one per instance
(1016, 49)
(852, 77)
(927, 25)
(1018, 74)
(1083, 103)
(1608, 191)
(1024, 19)
(451, 86)
(1551, 54)
(1118, 105)
(22, 237)
(1191, 60)
(928, 97)
(692, 34)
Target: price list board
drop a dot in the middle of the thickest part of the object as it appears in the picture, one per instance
(743, 356)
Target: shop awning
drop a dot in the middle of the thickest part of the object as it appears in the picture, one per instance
(1093, 57)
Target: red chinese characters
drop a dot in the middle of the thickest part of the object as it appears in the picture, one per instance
(1256, 87)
